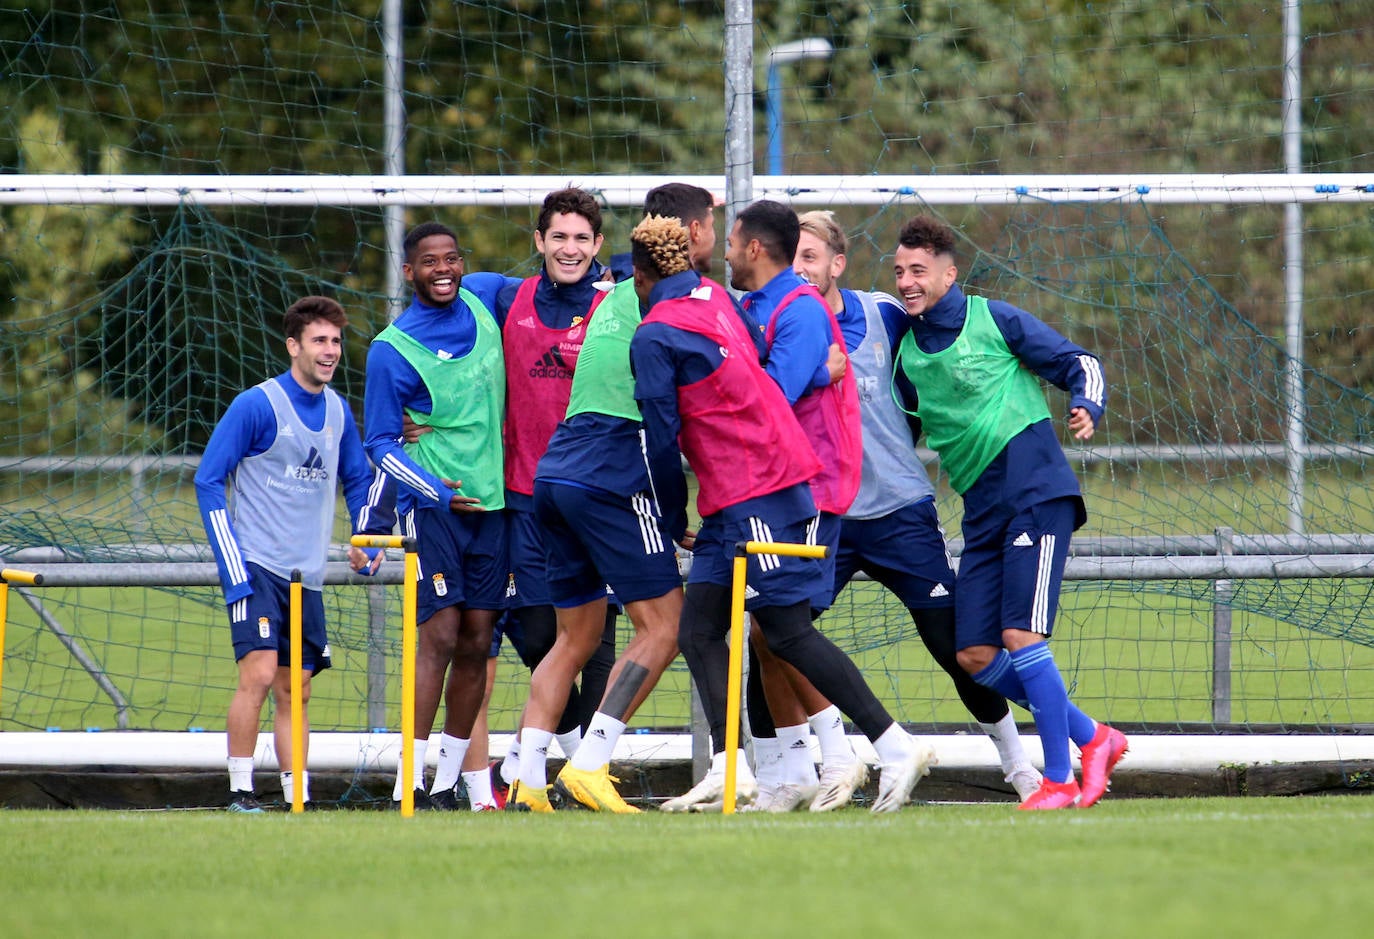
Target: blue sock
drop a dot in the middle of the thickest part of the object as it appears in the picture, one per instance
(1081, 726)
(1001, 677)
(1049, 703)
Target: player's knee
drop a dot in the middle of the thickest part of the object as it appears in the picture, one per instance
(975, 658)
(257, 672)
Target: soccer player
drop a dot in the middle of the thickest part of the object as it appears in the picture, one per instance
(799, 331)
(891, 531)
(698, 382)
(280, 450)
(440, 363)
(968, 369)
(593, 493)
(544, 322)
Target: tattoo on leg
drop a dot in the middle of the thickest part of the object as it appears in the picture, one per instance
(621, 694)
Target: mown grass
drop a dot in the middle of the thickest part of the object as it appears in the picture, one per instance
(1142, 868)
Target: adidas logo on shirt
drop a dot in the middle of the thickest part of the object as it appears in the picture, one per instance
(551, 365)
(1023, 540)
(939, 591)
(312, 468)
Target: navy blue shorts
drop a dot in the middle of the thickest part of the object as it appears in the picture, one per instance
(1010, 579)
(773, 580)
(597, 538)
(828, 529)
(507, 627)
(529, 574)
(462, 560)
(265, 621)
(905, 551)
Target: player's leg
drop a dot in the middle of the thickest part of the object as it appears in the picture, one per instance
(989, 708)
(596, 674)
(579, 633)
(619, 541)
(903, 758)
(476, 772)
(842, 772)
(778, 721)
(281, 731)
(531, 605)
(257, 623)
(314, 659)
(540, 625)
(785, 588)
(466, 687)
(256, 670)
(702, 634)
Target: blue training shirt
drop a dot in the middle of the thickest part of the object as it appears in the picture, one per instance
(1032, 468)
(248, 428)
(801, 338)
(393, 385)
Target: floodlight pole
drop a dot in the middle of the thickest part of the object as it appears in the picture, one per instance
(812, 48)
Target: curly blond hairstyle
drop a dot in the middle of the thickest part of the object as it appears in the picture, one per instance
(660, 244)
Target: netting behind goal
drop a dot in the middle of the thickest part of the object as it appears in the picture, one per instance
(126, 329)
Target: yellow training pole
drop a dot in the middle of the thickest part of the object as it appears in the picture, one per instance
(735, 679)
(409, 641)
(297, 706)
(8, 576)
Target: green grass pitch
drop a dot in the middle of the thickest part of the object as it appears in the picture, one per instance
(1147, 868)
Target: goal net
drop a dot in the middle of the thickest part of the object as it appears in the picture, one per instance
(129, 321)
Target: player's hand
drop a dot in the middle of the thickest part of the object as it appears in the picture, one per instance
(461, 503)
(365, 561)
(411, 432)
(837, 362)
(1081, 424)
(688, 540)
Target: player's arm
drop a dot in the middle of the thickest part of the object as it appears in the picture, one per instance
(801, 347)
(391, 381)
(496, 291)
(247, 428)
(370, 499)
(654, 366)
(1062, 363)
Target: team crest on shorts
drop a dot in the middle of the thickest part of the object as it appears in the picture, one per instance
(440, 585)
(264, 627)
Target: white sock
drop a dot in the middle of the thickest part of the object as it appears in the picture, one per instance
(596, 748)
(288, 787)
(241, 773)
(768, 762)
(510, 766)
(478, 784)
(798, 767)
(893, 745)
(828, 726)
(418, 780)
(1008, 740)
(570, 741)
(741, 761)
(451, 753)
(534, 755)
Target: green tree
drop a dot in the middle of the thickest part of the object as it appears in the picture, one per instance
(55, 255)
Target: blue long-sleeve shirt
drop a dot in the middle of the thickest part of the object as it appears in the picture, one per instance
(801, 339)
(393, 385)
(1032, 467)
(248, 428)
